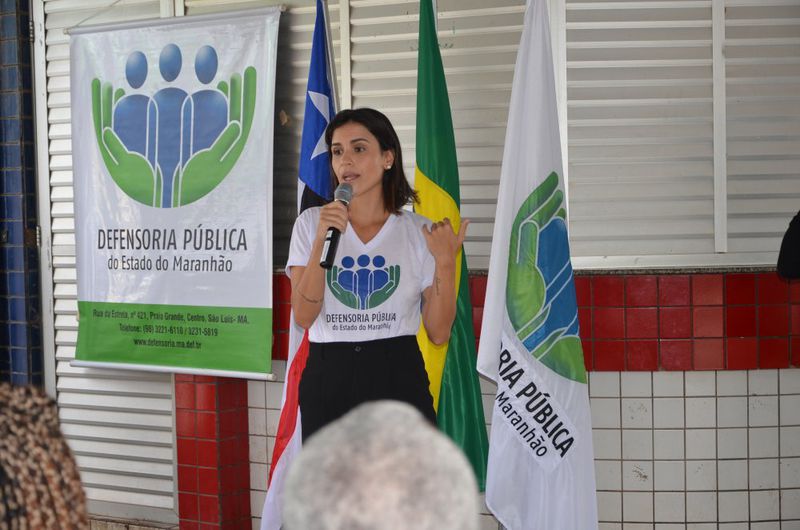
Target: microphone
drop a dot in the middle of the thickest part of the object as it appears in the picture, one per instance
(342, 194)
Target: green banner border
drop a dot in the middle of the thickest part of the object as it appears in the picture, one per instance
(236, 339)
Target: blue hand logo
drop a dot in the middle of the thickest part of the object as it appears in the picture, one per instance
(366, 286)
(540, 294)
(172, 148)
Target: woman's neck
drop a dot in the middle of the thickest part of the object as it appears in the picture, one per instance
(366, 214)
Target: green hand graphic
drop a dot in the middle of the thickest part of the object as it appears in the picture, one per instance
(382, 294)
(525, 291)
(542, 324)
(130, 171)
(207, 168)
(346, 297)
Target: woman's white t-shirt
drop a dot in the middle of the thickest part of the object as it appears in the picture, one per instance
(374, 290)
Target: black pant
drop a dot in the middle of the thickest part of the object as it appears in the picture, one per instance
(341, 375)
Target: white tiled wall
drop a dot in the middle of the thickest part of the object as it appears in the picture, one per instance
(697, 449)
(264, 399)
(689, 450)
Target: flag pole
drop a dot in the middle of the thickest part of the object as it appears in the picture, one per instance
(331, 59)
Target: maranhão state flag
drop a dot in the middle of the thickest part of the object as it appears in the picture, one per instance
(313, 190)
(451, 366)
(541, 464)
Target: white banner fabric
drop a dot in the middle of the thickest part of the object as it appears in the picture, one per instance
(172, 135)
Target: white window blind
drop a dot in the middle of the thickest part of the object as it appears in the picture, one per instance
(762, 62)
(639, 96)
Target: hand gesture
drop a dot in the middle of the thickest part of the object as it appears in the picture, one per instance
(207, 168)
(334, 214)
(540, 294)
(131, 171)
(442, 241)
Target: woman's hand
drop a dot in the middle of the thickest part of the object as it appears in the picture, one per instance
(308, 283)
(439, 300)
(442, 241)
(333, 214)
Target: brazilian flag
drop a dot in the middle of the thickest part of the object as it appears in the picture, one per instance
(451, 366)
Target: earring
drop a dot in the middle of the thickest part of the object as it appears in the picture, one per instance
(387, 168)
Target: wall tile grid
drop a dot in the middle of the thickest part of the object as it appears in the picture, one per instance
(214, 472)
(676, 444)
(634, 322)
(719, 321)
(697, 447)
(20, 328)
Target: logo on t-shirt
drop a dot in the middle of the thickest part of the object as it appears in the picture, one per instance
(364, 282)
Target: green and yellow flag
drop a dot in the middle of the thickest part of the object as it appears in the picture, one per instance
(451, 366)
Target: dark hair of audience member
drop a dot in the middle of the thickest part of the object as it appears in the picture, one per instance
(40, 487)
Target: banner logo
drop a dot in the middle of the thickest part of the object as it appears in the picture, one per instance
(363, 283)
(170, 148)
(540, 294)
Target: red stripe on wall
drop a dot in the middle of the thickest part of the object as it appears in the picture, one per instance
(651, 322)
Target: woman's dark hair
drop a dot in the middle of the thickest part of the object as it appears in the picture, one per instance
(396, 190)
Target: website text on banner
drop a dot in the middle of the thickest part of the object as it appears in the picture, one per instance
(541, 463)
(172, 134)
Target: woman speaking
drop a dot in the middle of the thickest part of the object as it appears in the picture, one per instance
(391, 268)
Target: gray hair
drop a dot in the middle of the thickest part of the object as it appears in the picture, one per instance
(381, 467)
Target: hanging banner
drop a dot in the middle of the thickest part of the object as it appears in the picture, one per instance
(172, 135)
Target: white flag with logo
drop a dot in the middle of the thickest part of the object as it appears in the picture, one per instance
(541, 464)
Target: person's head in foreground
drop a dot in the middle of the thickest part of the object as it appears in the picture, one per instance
(39, 483)
(381, 466)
